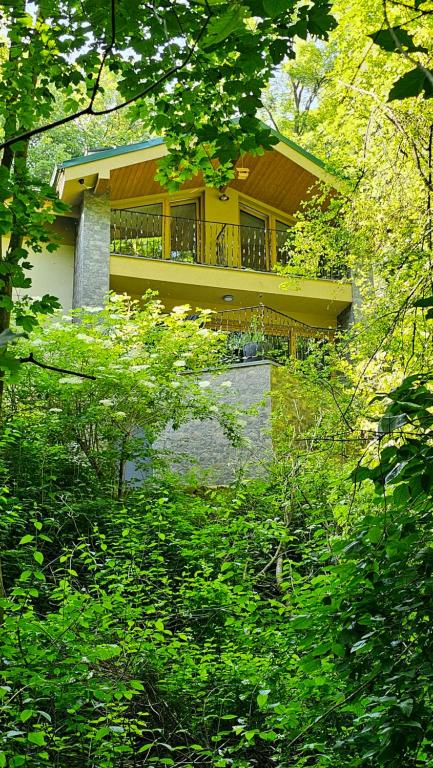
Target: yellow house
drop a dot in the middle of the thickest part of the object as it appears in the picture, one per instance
(204, 247)
(207, 248)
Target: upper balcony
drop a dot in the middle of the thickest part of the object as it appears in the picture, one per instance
(200, 245)
(249, 245)
(194, 261)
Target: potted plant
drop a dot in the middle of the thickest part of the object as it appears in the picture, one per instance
(248, 344)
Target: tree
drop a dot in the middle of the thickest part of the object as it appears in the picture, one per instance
(293, 97)
(84, 134)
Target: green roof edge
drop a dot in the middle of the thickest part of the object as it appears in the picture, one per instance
(126, 148)
(297, 148)
(122, 150)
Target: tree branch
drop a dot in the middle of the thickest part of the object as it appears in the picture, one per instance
(95, 112)
(31, 359)
(426, 72)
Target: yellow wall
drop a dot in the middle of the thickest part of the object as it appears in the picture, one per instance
(315, 302)
(217, 210)
(52, 273)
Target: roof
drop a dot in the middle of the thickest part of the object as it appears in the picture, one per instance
(136, 147)
(297, 148)
(111, 152)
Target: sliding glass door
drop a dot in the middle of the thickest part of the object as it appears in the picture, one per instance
(253, 241)
(183, 231)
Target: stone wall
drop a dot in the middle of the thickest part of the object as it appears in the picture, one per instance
(92, 252)
(203, 446)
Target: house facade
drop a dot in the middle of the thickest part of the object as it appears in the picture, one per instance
(204, 247)
(207, 248)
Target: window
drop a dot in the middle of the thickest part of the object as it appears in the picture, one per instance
(183, 231)
(253, 240)
(281, 235)
(138, 231)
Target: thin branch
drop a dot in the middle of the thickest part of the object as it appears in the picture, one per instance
(410, 7)
(271, 117)
(271, 561)
(417, 155)
(335, 706)
(426, 72)
(31, 359)
(89, 110)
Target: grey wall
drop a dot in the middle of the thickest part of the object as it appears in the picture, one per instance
(202, 444)
(92, 251)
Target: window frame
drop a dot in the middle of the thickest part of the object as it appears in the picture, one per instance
(270, 216)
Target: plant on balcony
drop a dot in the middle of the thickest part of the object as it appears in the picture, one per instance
(248, 344)
(186, 257)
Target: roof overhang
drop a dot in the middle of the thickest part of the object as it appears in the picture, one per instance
(281, 177)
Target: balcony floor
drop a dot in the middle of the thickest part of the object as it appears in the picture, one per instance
(315, 302)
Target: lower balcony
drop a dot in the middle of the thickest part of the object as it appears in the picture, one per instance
(261, 333)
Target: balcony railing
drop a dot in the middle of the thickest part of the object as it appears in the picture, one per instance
(262, 332)
(195, 241)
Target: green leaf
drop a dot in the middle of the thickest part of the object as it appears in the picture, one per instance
(262, 698)
(9, 337)
(106, 652)
(26, 539)
(395, 39)
(374, 534)
(390, 422)
(137, 685)
(36, 737)
(360, 474)
(275, 7)
(26, 714)
(38, 556)
(406, 706)
(101, 733)
(410, 85)
(2, 760)
(320, 21)
(221, 27)
(425, 302)
(339, 649)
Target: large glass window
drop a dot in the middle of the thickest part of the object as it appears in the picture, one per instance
(138, 231)
(253, 239)
(281, 236)
(183, 231)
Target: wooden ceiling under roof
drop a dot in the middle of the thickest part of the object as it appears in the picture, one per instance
(273, 179)
(276, 181)
(139, 180)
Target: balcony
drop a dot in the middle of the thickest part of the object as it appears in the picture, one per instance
(210, 243)
(260, 332)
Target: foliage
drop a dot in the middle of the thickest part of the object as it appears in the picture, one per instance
(148, 629)
(147, 371)
(85, 134)
(282, 622)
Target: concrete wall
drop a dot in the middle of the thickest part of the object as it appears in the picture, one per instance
(92, 251)
(202, 444)
(52, 273)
